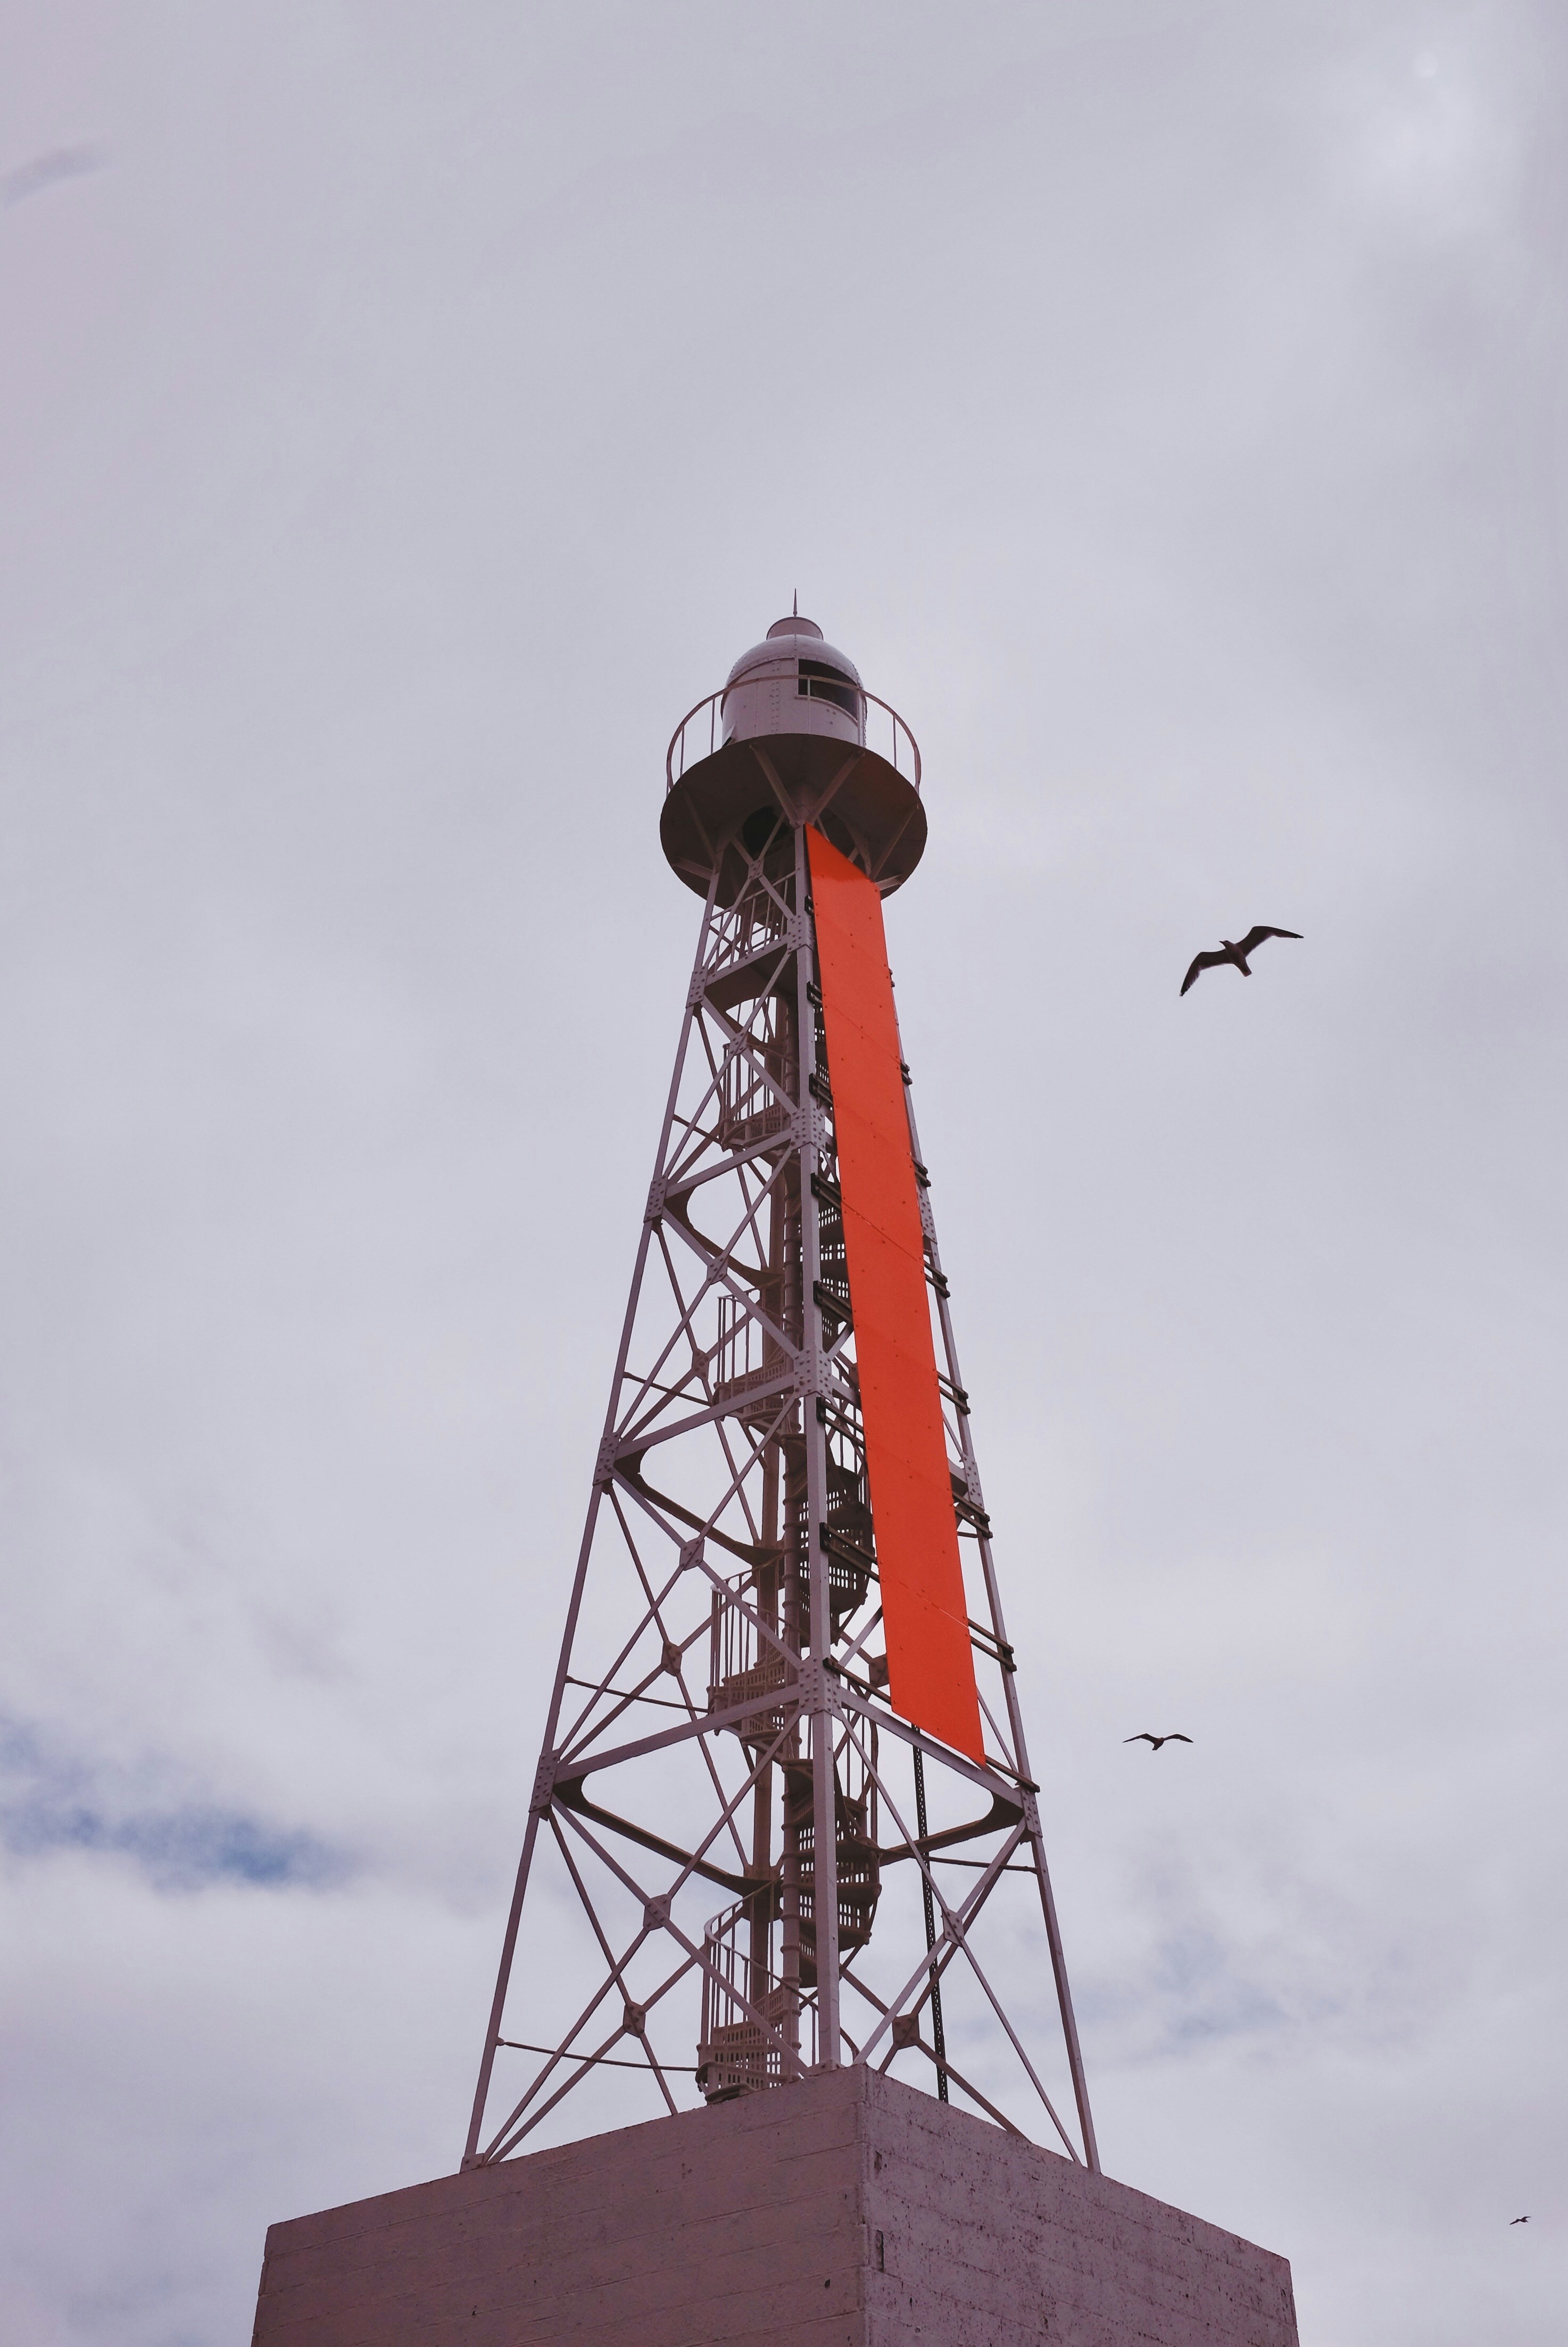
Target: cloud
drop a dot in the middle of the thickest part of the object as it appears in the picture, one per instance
(53, 1799)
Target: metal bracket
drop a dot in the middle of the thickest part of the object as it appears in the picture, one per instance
(657, 1192)
(816, 1692)
(544, 1785)
(808, 1128)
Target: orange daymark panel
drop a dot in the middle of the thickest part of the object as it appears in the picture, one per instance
(930, 1664)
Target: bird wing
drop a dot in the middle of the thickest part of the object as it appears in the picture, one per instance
(1175, 1736)
(1255, 936)
(1143, 1736)
(1201, 961)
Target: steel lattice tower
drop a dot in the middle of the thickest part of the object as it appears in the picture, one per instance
(783, 1773)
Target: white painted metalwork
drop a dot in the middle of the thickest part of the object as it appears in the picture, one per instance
(725, 1798)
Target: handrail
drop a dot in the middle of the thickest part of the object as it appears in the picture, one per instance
(713, 703)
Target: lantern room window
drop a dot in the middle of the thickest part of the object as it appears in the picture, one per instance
(820, 680)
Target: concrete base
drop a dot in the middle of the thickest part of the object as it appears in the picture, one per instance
(847, 2210)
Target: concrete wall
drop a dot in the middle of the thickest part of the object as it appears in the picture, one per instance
(847, 2208)
(988, 2242)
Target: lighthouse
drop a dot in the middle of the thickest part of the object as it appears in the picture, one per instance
(784, 1841)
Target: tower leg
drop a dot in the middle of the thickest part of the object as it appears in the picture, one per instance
(825, 1787)
(552, 1720)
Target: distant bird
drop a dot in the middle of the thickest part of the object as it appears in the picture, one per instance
(44, 170)
(1235, 952)
(1143, 1736)
(1518, 2221)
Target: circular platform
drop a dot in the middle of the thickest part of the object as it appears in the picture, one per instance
(860, 800)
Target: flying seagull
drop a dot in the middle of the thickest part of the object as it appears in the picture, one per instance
(1518, 2221)
(1236, 951)
(1143, 1736)
(31, 179)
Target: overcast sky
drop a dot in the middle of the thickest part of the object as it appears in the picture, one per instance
(409, 412)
